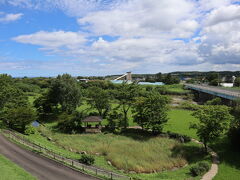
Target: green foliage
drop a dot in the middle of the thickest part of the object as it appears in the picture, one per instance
(126, 94)
(99, 99)
(87, 159)
(151, 112)
(215, 101)
(213, 120)
(114, 118)
(10, 96)
(237, 82)
(18, 118)
(70, 123)
(29, 130)
(47, 110)
(65, 91)
(169, 79)
(189, 106)
(234, 131)
(199, 169)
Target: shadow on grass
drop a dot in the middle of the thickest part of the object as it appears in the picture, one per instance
(226, 152)
(191, 153)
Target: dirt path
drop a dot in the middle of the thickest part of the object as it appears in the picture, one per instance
(39, 166)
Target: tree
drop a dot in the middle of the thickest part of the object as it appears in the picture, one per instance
(18, 118)
(114, 119)
(99, 99)
(169, 79)
(237, 82)
(234, 131)
(65, 91)
(213, 79)
(150, 112)
(125, 94)
(71, 123)
(213, 121)
(215, 101)
(159, 77)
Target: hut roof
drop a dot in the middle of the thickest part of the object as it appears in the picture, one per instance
(92, 119)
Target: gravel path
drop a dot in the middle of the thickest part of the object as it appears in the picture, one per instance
(214, 167)
(39, 166)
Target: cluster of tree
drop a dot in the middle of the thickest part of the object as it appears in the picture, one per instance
(237, 82)
(15, 111)
(165, 78)
(113, 102)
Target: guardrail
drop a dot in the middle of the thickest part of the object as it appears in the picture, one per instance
(62, 159)
(215, 91)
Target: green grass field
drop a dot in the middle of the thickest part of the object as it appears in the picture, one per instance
(10, 171)
(138, 150)
(179, 121)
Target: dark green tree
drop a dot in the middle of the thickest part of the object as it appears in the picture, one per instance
(99, 99)
(151, 112)
(126, 94)
(65, 91)
(213, 121)
(18, 118)
(237, 82)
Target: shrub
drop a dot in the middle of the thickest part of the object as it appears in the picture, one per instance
(189, 106)
(199, 169)
(29, 130)
(87, 159)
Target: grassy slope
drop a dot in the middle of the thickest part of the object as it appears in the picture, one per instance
(10, 171)
(179, 123)
(229, 168)
(174, 115)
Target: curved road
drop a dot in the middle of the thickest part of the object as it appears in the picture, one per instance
(39, 166)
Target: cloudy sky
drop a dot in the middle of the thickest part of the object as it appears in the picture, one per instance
(100, 37)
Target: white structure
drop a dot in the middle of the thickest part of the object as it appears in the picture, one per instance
(226, 84)
(128, 76)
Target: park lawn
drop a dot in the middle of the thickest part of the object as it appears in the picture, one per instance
(179, 121)
(100, 143)
(176, 88)
(10, 171)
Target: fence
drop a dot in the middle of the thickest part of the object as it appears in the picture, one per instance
(68, 161)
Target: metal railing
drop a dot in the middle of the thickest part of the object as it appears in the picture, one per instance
(71, 162)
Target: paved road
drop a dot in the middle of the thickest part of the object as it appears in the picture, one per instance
(233, 93)
(39, 166)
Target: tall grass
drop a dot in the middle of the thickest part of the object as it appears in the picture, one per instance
(154, 154)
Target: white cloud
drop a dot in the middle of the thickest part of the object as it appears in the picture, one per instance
(223, 14)
(10, 17)
(148, 35)
(53, 40)
(174, 18)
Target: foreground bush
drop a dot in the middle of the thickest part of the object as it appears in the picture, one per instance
(87, 159)
(199, 169)
(29, 130)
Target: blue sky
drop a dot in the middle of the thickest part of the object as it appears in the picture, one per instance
(89, 37)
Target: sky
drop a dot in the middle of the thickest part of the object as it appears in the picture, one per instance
(102, 37)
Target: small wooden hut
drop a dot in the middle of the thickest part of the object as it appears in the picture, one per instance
(92, 124)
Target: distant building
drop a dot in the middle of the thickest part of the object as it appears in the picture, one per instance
(226, 84)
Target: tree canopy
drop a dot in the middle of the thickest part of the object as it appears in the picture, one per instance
(213, 121)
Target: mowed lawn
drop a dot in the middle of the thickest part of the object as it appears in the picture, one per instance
(10, 171)
(179, 121)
